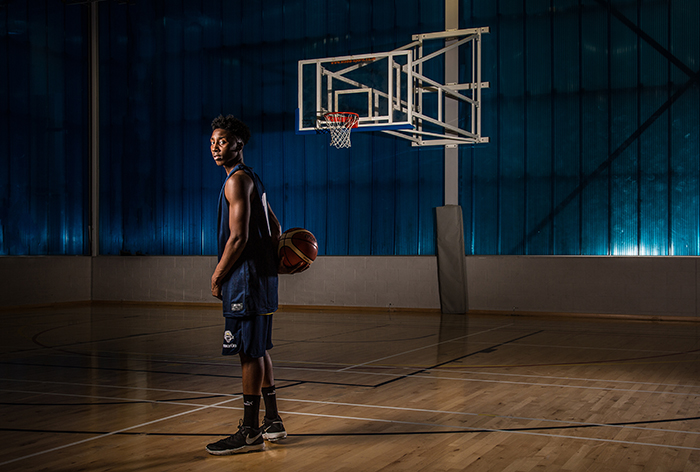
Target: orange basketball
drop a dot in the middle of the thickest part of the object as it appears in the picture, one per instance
(297, 245)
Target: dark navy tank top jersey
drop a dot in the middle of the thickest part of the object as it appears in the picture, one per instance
(251, 286)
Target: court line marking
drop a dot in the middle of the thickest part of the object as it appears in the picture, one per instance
(489, 430)
(589, 348)
(597, 348)
(186, 360)
(101, 436)
(488, 415)
(509, 382)
(495, 374)
(79, 384)
(459, 358)
(61, 347)
(461, 379)
(580, 379)
(234, 397)
(537, 384)
(379, 420)
(424, 347)
(122, 399)
(484, 373)
(354, 405)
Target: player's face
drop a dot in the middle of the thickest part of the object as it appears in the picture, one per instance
(224, 147)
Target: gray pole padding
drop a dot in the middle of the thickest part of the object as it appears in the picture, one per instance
(451, 258)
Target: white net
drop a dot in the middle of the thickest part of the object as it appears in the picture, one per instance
(339, 125)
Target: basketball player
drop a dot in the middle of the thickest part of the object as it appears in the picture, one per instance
(245, 279)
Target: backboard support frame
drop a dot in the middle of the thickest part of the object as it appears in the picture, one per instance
(401, 99)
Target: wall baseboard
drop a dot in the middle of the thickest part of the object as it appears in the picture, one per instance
(649, 288)
(596, 316)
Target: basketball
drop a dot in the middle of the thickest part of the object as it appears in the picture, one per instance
(297, 245)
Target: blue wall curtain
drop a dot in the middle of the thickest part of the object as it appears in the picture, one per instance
(43, 128)
(169, 67)
(593, 114)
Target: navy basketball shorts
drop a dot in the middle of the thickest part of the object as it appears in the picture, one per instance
(251, 335)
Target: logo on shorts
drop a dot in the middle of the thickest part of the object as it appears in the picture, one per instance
(228, 340)
(236, 306)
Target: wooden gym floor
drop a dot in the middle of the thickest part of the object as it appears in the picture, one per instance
(142, 388)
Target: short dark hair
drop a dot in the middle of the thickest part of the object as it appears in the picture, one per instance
(233, 125)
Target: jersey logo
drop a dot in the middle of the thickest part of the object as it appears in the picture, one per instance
(236, 306)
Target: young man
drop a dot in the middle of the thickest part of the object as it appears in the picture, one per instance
(245, 280)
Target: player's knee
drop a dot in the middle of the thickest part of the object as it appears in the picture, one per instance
(246, 359)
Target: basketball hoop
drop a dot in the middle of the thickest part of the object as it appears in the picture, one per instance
(339, 125)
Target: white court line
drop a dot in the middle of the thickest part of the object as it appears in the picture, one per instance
(537, 384)
(378, 420)
(114, 432)
(461, 413)
(363, 405)
(578, 379)
(319, 402)
(423, 347)
(598, 348)
(122, 399)
(187, 359)
(150, 389)
(485, 373)
(508, 382)
(435, 377)
(354, 405)
(488, 430)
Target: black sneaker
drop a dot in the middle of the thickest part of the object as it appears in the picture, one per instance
(273, 430)
(247, 439)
